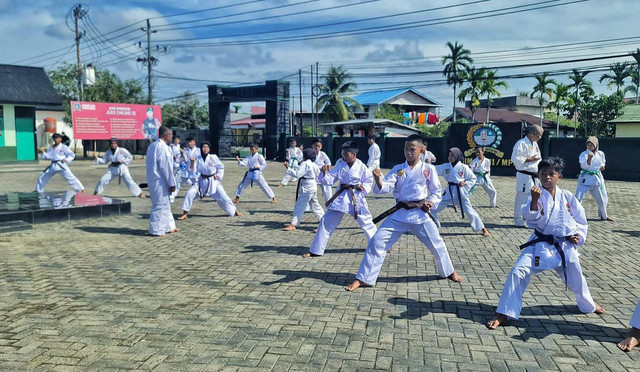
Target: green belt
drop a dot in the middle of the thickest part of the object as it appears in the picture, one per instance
(479, 174)
(594, 173)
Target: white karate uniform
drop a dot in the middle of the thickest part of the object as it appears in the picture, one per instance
(306, 174)
(482, 170)
(160, 178)
(592, 181)
(183, 175)
(460, 173)
(358, 175)
(428, 157)
(374, 157)
(209, 183)
(322, 159)
(251, 162)
(124, 157)
(635, 318)
(561, 217)
(56, 154)
(408, 185)
(522, 150)
(294, 158)
(192, 172)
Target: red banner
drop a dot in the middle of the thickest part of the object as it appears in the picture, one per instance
(101, 121)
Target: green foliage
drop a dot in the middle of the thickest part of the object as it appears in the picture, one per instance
(619, 72)
(435, 130)
(185, 112)
(596, 114)
(473, 90)
(108, 88)
(563, 120)
(389, 112)
(458, 60)
(333, 99)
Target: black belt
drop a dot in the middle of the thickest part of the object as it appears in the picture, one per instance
(422, 204)
(115, 164)
(342, 188)
(52, 163)
(207, 178)
(457, 185)
(298, 187)
(549, 239)
(532, 174)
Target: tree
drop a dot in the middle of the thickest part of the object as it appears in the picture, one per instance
(542, 88)
(237, 108)
(333, 98)
(578, 81)
(458, 60)
(108, 88)
(185, 112)
(474, 77)
(435, 130)
(635, 77)
(561, 97)
(389, 112)
(635, 84)
(597, 114)
(489, 87)
(619, 73)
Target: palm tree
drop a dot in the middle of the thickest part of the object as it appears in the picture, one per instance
(457, 61)
(562, 95)
(474, 78)
(333, 97)
(619, 72)
(635, 84)
(578, 81)
(635, 78)
(489, 87)
(542, 87)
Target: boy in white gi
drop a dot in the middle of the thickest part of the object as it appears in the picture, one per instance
(117, 160)
(322, 159)
(60, 156)
(374, 153)
(355, 182)
(256, 164)
(209, 183)
(560, 227)
(416, 188)
(460, 179)
(427, 156)
(186, 174)
(592, 162)
(481, 167)
(307, 191)
(634, 336)
(294, 158)
(161, 183)
(525, 157)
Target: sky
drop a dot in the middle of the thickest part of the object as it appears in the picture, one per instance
(384, 44)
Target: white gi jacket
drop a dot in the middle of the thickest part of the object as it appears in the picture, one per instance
(322, 159)
(208, 168)
(428, 157)
(186, 160)
(591, 174)
(57, 154)
(252, 160)
(460, 173)
(307, 173)
(120, 155)
(359, 175)
(294, 156)
(522, 150)
(483, 167)
(374, 155)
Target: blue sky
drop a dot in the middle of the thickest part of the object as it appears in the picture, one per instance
(33, 28)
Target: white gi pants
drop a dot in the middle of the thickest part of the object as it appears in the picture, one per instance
(388, 233)
(219, 195)
(635, 318)
(259, 179)
(327, 192)
(599, 195)
(488, 187)
(328, 224)
(375, 164)
(306, 200)
(64, 171)
(524, 183)
(286, 178)
(126, 177)
(518, 279)
(448, 199)
(161, 220)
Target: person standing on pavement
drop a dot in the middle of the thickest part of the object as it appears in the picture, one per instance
(161, 184)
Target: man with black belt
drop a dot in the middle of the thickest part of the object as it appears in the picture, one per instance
(117, 159)
(525, 157)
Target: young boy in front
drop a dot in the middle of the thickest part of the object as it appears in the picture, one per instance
(560, 227)
(355, 182)
(256, 164)
(416, 188)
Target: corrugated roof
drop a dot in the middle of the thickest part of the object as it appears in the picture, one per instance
(630, 114)
(26, 85)
(380, 96)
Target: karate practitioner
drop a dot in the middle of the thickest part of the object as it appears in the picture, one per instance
(117, 160)
(188, 172)
(211, 171)
(525, 157)
(161, 184)
(307, 191)
(355, 182)
(176, 151)
(481, 167)
(427, 156)
(256, 164)
(634, 335)
(416, 188)
(460, 179)
(560, 227)
(294, 158)
(592, 162)
(322, 159)
(60, 156)
(374, 154)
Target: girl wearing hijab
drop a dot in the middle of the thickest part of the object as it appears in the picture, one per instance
(211, 171)
(460, 179)
(592, 162)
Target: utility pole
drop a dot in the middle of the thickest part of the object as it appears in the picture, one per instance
(312, 107)
(316, 94)
(78, 13)
(300, 86)
(150, 60)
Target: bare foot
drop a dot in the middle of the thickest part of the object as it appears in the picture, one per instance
(280, 186)
(274, 200)
(497, 206)
(236, 200)
(609, 219)
(630, 342)
(485, 232)
(315, 230)
(174, 231)
(455, 277)
(83, 191)
(183, 217)
(599, 309)
(499, 320)
(309, 254)
(142, 196)
(237, 213)
(356, 284)
(290, 228)
(156, 236)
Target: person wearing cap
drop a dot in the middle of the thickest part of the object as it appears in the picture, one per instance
(209, 183)
(161, 184)
(592, 162)
(117, 160)
(150, 126)
(60, 156)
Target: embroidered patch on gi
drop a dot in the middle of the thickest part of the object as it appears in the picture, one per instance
(569, 207)
(446, 171)
(400, 173)
(426, 173)
(460, 174)
(537, 261)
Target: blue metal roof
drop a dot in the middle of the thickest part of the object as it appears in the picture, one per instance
(380, 96)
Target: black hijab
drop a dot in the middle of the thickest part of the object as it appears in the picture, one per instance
(204, 156)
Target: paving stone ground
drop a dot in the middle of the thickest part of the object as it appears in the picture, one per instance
(233, 294)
